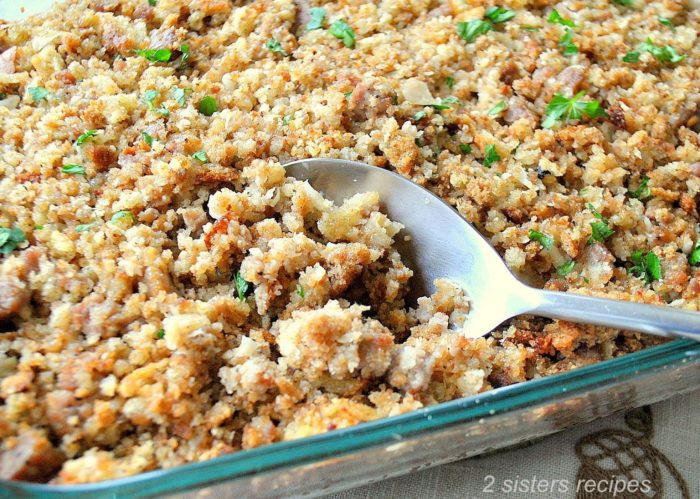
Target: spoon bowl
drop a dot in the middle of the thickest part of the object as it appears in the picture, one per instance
(437, 242)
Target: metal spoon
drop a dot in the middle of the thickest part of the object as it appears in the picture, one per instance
(442, 244)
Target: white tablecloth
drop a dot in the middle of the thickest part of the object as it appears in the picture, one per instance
(663, 449)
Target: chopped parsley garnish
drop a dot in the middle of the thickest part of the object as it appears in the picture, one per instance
(122, 214)
(287, 118)
(497, 109)
(623, 2)
(641, 192)
(600, 230)
(73, 169)
(525, 27)
(85, 137)
(181, 95)
(465, 148)
(565, 268)
(499, 15)
(667, 22)
(490, 155)
(155, 55)
(3, 95)
(347, 95)
(631, 56)
(38, 227)
(163, 110)
(470, 30)
(201, 156)
(561, 108)
(546, 241)
(419, 115)
(660, 53)
(316, 15)
(149, 96)
(10, 239)
(152, 3)
(275, 47)
(207, 106)
(556, 18)
(160, 334)
(300, 291)
(242, 286)
(646, 266)
(450, 82)
(185, 51)
(147, 138)
(38, 93)
(84, 227)
(694, 258)
(341, 30)
(443, 104)
(569, 48)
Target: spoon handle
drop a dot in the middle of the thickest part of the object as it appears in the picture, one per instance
(651, 319)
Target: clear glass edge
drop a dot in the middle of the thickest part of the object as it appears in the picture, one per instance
(344, 441)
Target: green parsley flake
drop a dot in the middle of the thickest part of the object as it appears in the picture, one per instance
(667, 22)
(147, 138)
(565, 268)
(600, 230)
(499, 15)
(497, 109)
(73, 169)
(694, 258)
(10, 239)
(180, 95)
(38, 93)
(155, 55)
(123, 214)
(316, 15)
(661, 53)
(631, 56)
(275, 47)
(201, 156)
(149, 97)
(242, 286)
(341, 30)
(526, 27)
(470, 30)
(490, 155)
(646, 266)
(207, 106)
(185, 51)
(287, 118)
(38, 227)
(546, 241)
(642, 191)
(561, 108)
(556, 18)
(85, 137)
(625, 3)
(84, 227)
(152, 3)
(419, 115)
(163, 110)
(300, 291)
(569, 48)
(465, 148)
(160, 334)
(450, 82)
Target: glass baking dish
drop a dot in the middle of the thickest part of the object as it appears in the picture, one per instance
(389, 447)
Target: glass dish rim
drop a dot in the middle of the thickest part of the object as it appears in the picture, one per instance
(344, 441)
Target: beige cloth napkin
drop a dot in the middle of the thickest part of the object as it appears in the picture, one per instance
(659, 446)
